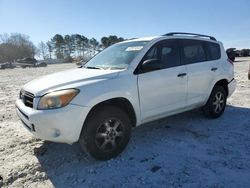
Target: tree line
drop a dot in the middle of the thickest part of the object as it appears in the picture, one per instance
(74, 45)
(242, 53)
(17, 46)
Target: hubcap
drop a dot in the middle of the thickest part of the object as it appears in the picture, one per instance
(109, 134)
(218, 102)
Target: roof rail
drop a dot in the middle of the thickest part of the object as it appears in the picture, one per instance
(194, 34)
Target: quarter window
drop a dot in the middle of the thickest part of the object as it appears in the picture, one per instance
(151, 54)
(213, 51)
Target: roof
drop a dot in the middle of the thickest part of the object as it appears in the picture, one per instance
(176, 35)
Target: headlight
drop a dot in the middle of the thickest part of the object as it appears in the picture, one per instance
(57, 99)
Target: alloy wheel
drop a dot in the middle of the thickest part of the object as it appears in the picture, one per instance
(218, 102)
(109, 134)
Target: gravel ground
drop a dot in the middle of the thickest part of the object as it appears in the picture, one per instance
(186, 150)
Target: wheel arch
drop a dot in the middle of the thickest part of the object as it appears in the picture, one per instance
(223, 83)
(120, 102)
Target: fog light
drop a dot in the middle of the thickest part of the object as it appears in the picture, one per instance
(56, 133)
(33, 127)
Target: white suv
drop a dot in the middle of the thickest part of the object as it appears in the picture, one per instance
(126, 85)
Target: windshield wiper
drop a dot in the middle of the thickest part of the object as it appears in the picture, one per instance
(91, 67)
(117, 68)
(104, 68)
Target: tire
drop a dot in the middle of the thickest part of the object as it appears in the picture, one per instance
(106, 133)
(216, 103)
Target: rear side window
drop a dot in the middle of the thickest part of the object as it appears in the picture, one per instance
(193, 51)
(213, 51)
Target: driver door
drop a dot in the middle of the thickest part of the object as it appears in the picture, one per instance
(163, 91)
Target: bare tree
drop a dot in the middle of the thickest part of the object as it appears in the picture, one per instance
(43, 50)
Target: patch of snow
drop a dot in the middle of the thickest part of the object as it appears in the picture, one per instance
(186, 150)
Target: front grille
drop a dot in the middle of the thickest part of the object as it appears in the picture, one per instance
(27, 98)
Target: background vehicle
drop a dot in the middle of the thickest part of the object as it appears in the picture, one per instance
(41, 64)
(126, 85)
(231, 53)
(81, 62)
(27, 62)
(7, 65)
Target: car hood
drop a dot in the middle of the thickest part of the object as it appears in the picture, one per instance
(66, 79)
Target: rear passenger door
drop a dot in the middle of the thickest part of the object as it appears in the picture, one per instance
(202, 68)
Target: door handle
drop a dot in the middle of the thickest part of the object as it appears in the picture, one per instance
(214, 69)
(182, 75)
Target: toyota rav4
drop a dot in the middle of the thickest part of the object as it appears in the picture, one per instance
(126, 85)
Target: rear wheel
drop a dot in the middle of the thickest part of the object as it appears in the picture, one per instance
(216, 103)
(106, 133)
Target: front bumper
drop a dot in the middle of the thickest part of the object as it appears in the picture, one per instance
(231, 87)
(58, 125)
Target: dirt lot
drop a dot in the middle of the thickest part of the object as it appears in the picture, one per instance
(187, 150)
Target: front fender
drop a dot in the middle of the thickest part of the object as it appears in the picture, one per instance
(98, 92)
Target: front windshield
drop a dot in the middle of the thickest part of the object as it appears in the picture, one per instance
(117, 56)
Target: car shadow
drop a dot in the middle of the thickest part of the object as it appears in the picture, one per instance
(67, 166)
(241, 60)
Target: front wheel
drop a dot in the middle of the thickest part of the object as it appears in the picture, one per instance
(216, 103)
(106, 133)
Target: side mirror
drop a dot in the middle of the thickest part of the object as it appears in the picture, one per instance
(150, 65)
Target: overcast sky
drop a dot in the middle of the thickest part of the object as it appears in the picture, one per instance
(228, 21)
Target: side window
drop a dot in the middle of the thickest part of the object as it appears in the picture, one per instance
(192, 51)
(213, 51)
(166, 52)
(169, 54)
